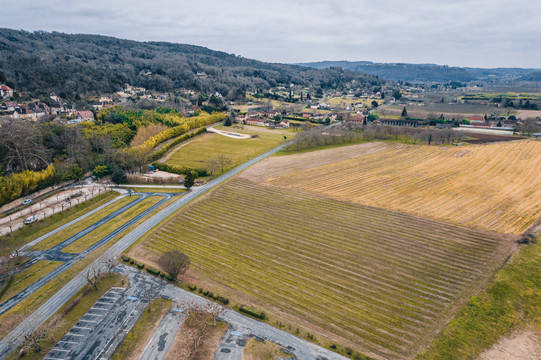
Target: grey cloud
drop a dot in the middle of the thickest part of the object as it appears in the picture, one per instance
(455, 32)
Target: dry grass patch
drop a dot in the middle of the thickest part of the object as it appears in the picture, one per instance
(377, 281)
(256, 350)
(145, 133)
(491, 187)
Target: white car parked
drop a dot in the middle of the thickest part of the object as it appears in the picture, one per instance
(27, 201)
(31, 219)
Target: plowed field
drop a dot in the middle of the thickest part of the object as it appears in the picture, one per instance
(494, 187)
(378, 281)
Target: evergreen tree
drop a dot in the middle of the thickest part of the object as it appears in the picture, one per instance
(404, 113)
(189, 180)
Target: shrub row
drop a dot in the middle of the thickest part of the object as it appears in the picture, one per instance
(181, 170)
(252, 312)
(209, 294)
(165, 149)
(153, 271)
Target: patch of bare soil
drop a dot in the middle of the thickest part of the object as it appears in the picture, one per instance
(275, 166)
(522, 345)
(480, 138)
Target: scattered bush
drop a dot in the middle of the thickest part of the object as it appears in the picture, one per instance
(192, 287)
(170, 278)
(125, 258)
(70, 307)
(153, 271)
(162, 274)
(140, 266)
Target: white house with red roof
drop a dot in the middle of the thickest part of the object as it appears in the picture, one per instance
(5, 91)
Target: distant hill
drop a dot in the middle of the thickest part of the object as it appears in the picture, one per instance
(42, 62)
(425, 72)
(535, 76)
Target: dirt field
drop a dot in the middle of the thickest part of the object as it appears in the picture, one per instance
(522, 345)
(275, 166)
(378, 281)
(492, 187)
(479, 138)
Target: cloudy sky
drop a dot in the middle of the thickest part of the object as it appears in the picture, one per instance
(479, 33)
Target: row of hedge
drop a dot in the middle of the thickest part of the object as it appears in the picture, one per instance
(165, 149)
(252, 312)
(152, 271)
(209, 294)
(181, 170)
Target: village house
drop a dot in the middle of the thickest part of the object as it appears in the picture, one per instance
(84, 116)
(6, 91)
(257, 121)
(284, 124)
(477, 120)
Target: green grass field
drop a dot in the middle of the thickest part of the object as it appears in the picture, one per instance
(96, 235)
(512, 302)
(377, 281)
(158, 190)
(206, 146)
(27, 277)
(30, 232)
(81, 225)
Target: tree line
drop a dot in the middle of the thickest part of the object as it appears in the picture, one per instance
(354, 133)
(37, 155)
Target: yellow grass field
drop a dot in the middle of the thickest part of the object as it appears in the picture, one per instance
(493, 187)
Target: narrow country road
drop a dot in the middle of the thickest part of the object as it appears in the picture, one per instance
(13, 339)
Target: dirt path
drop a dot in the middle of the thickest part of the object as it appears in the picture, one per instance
(522, 345)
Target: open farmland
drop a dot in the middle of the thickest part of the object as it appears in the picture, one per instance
(378, 281)
(196, 152)
(492, 187)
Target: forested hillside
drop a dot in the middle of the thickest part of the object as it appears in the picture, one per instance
(71, 65)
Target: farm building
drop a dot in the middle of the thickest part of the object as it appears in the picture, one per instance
(400, 122)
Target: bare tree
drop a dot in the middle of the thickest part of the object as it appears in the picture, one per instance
(199, 320)
(92, 275)
(110, 263)
(224, 161)
(212, 165)
(34, 334)
(175, 263)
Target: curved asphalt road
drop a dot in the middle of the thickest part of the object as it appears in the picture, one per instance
(32, 322)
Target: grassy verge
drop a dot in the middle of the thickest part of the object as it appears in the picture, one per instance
(513, 300)
(81, 225)
(141, 333)
(63, 320)
(30, 232)
(256, 350)
(96, 235)
(158, 189)
(27, 277)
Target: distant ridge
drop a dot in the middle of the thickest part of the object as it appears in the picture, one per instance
(427, 72)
